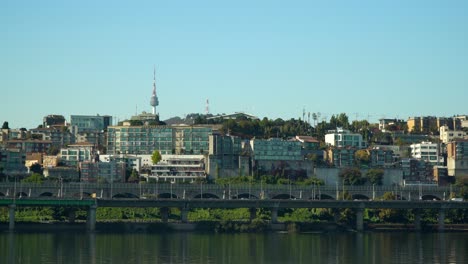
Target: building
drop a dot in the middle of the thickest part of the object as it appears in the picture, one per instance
(137, 162)
(77, 153)
(53, 120)
(179, 168)
(12, 161)
(89, 123)
(276, 149)
(167, 140)
(58, 136)
(236, 115)
(341, 138)
(227, 156)
(457, 158)
(426, 151)
(447, 135)
(417, 171)
(308, 143)
(102, 172)
(341, 157)
(381, 157)
(65, 174)
(385, 123)
(431, 124)
(30, 145)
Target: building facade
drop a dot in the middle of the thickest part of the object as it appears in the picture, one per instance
(426, 151)
(176, 168)
(344, 138)
(447, 135)
(102, 172)
(167, 140)
(87, 123)
(77, 153)
(457, 158)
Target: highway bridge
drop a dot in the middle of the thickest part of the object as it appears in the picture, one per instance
(253, 204)
(223, 192)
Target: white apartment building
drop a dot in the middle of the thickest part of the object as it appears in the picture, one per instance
(447, 135)
(344, 138)
(426, 151)
(179, 168)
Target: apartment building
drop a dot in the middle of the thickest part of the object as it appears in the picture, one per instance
(426, 151)
(341, 138)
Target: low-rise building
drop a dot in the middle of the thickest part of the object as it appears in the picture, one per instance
(341, 157)
(341, 138)
(457, 158)
(77, 153)
(381, 157)
(30, 145)
(415, 170)
(426, 151)
(179, 168)
(103, 172)
(276, 149)
(447, 135)
(66, 174)
(12, 161)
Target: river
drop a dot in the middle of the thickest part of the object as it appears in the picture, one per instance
(192, 247)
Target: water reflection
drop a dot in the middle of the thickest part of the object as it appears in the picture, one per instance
(233, 248)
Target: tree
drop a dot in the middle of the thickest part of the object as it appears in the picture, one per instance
(36, 168)
(156, 157)
(352, 176)
(5, 125)
(134, 177)
(362, 156)
(375, 176)
(34, 178)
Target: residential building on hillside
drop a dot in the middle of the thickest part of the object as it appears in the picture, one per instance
(381, 157)
(12, 161)
(447, 135)
(104, 172)
(53, 120)
(428, 124)
(179, 168)
(225, 156)
(276, 149)
(77, 153)
(344, 138)
(89, 123)
(384, 123)
(29, 145)
(426, 151)
(415, 170)
(66, 174)
(457, 158)
(341, 157)
(137, 162)
(59, 136)
(166, 139)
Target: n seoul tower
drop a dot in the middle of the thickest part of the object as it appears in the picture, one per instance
(154, 98)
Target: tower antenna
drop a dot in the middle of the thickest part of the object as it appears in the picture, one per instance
(154, 98)
(207, 108)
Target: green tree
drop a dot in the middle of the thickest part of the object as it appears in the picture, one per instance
(36, 168)
(362, 156)
(34, 178)
(5, 125)
(156, 157)
(375, 176)
(352, 176)
(134, 177)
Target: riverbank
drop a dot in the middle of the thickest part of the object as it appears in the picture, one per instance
(256, 226)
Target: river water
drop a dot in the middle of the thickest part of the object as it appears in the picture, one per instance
(372, 247)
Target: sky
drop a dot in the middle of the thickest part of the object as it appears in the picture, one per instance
(275, 59)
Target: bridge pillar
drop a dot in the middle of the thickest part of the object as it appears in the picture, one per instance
(441, 219)
(359, 219)
(274, 215)
(336, 215)
(253, 213)
(71, 216)
(12, 208)
(91, 218)
(417, 219)
(184, 214)
(164, 214)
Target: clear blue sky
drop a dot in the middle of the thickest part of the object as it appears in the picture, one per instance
(267, 58)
